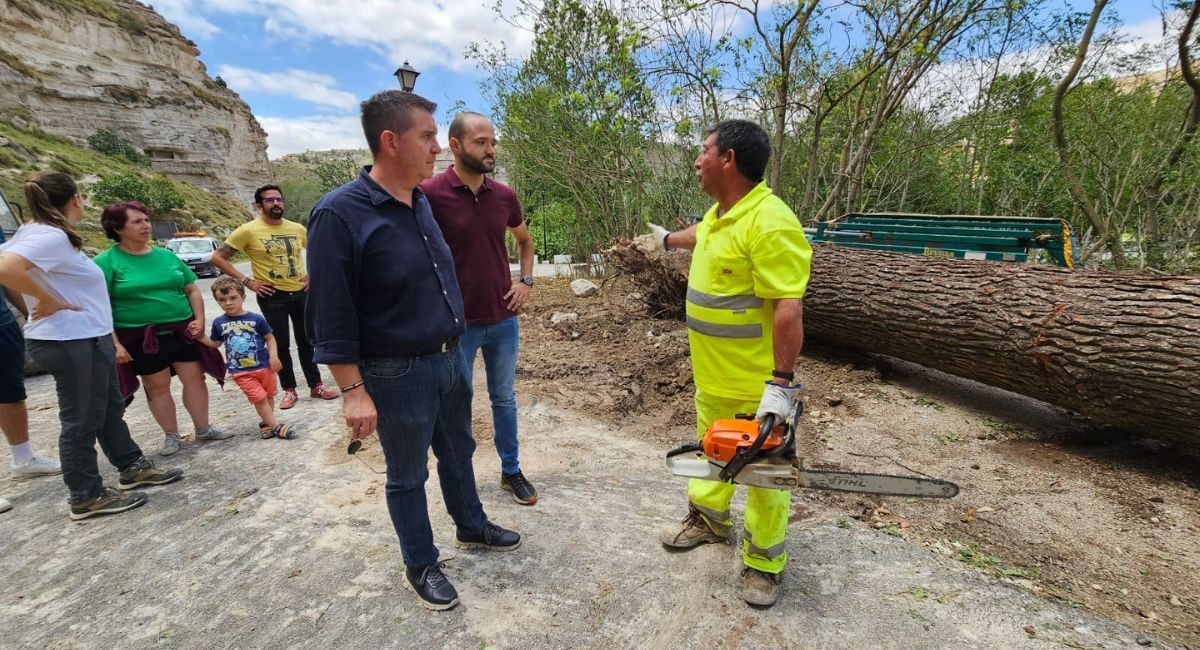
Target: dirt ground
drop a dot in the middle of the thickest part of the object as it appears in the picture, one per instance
(1050, 502)
(287, 544)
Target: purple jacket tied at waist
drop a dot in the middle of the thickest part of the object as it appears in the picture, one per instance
(146, 339)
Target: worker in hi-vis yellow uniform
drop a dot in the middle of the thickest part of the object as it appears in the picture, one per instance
(750, 266)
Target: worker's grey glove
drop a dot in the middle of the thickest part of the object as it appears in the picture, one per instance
(653, 242)
(779, 401)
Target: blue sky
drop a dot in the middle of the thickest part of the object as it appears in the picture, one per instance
(303, 65)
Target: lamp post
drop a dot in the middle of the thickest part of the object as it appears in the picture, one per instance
(407, 76)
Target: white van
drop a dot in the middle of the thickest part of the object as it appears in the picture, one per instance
(195, 249)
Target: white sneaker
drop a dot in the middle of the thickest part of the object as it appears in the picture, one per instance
(36, 466)
(5, 505)
(170, 445)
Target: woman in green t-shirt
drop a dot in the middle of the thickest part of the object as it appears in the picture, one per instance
(157, 309)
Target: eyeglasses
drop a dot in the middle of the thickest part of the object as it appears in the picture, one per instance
(273, 200)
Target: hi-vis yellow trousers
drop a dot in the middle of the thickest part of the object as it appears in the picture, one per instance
(766, 518)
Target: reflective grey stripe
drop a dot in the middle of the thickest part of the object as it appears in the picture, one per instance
(769, 553)
(716, 517)
(724, 331)
(748, 301)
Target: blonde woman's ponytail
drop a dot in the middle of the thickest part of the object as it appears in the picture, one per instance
(47, 194)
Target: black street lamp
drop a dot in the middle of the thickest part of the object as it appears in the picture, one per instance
(407, 76)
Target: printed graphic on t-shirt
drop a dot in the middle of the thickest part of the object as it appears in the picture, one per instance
(245, 347)
(284, 250)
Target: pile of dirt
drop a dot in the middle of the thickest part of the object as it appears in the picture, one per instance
(1049, 503)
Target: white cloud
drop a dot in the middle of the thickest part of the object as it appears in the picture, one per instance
(287, 135)
(316, 133)
(418, 31)
(181, 13)
(303, 85)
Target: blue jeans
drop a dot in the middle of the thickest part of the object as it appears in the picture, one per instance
(499, 343)
(422, 402)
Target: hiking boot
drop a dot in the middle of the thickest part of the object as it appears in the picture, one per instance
(431, 586)
(522, 490)
(695, 531)
(36, 466)
(759, 588)
(324, 392)
(212, 433)
(5, 505)
(108, 503)
(285, 431)
(493, 538)
(170, 445)
(289, 398)
(143, 472)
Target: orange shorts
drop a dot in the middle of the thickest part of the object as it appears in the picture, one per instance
(256, 384)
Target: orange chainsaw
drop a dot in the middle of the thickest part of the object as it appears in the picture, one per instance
(743, 451)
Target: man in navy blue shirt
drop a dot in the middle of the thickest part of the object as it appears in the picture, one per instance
(384, 312)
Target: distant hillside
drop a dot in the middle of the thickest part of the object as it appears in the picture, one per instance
(302, 176)
(25, 150)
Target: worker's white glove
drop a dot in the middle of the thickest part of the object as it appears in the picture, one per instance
(779, 401)
(654, 241)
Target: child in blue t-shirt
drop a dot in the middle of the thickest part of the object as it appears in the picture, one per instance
(250, 353)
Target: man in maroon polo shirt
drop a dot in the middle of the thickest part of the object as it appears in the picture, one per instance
(473, 211)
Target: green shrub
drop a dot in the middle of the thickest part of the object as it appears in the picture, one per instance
(158, 194)
(111, 144)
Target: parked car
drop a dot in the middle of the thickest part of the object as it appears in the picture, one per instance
(196, 250)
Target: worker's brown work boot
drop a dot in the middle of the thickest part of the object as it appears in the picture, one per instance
(695, 531)
(759, 588)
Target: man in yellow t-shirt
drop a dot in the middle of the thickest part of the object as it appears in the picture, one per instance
(750, 265)
(278, 277)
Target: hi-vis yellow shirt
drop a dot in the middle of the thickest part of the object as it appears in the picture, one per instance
(743, 259)
(276, 252)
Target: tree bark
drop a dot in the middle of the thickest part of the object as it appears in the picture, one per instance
(1121, 348)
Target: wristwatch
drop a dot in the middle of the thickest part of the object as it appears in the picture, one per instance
(527, 280)
(788, 375)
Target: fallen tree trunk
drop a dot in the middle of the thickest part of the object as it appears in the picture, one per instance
(1121, 348)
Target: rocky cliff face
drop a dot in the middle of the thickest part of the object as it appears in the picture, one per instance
(73, 67)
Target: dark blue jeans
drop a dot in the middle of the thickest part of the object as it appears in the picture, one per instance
(499, 343)
(424, 401)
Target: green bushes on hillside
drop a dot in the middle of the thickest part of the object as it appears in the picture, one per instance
(109, 143)
(158, 194)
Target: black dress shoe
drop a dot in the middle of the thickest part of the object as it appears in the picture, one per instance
(493, 538)
(431, 586)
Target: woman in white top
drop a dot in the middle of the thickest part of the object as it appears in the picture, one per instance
(70, 335)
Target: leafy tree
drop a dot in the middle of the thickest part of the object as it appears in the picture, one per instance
(336, 170)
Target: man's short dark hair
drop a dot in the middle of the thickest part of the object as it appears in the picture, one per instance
(750, 144)
(459, 124)
(390, 110)
(265, 188)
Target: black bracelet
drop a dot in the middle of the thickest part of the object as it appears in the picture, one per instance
(351, 387)
(665, 246)
(790, 376)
